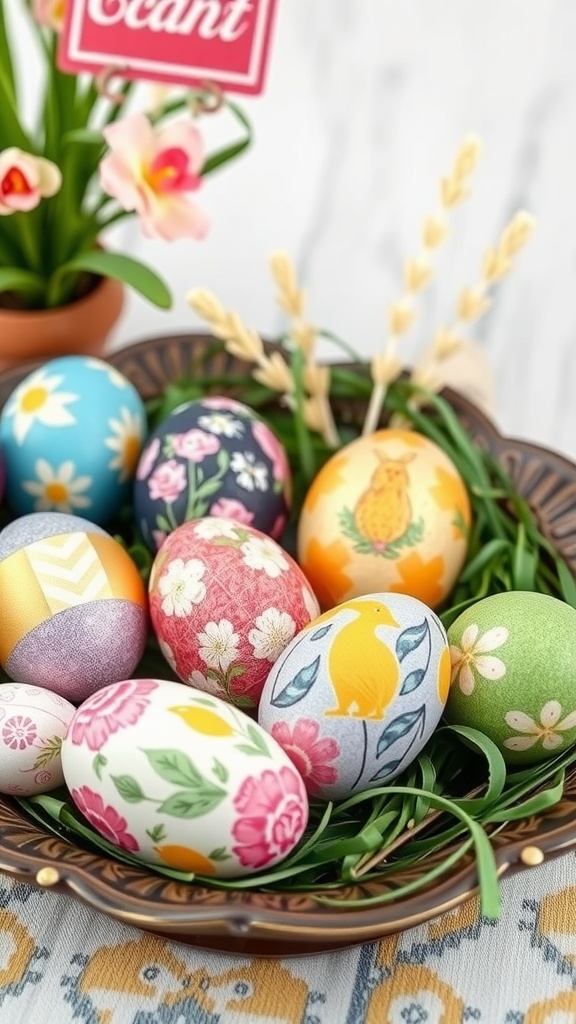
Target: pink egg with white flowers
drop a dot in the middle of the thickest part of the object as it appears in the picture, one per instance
(225, 601)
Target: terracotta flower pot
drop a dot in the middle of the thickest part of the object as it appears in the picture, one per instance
(81, 327)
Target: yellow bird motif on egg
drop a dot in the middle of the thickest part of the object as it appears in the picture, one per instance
(364, 672)
(383, 512)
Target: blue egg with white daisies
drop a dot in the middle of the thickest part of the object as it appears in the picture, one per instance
(71, 435)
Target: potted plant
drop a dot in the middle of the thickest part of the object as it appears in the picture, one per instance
(87, 161)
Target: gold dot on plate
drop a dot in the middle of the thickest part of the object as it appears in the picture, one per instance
(47, 877)
(531, 856)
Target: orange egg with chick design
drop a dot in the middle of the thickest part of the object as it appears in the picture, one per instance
(389, 512)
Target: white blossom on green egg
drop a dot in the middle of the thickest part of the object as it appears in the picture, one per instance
(472, 656)
(548, 730)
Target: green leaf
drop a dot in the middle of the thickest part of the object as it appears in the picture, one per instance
(98, 764)
(156, 834)
(48, 751)
(219, 854)
(223, 156)
(174, 766)
(16, 279)
(220, 771)
(129, 271)
(128, 788)
(6, 57)
(192, 803)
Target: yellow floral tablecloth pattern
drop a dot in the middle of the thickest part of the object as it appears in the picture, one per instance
(62, 963)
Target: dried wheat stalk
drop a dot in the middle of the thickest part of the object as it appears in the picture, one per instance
(291, 298)
(418, 273)
(473, 302)
(244, 343)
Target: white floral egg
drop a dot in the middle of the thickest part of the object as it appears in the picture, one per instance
(182, 779)
(71, 434)
(357, 694)
(33, 723)
(513, 674)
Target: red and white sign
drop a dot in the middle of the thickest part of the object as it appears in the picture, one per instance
(181, 41)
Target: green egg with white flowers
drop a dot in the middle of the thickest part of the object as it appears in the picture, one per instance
(514, 674)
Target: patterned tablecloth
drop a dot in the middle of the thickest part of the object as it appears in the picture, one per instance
(62, 963)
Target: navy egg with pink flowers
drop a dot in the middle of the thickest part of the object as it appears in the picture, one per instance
(211, 457)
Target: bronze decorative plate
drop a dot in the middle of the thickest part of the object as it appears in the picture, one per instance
(271, 923)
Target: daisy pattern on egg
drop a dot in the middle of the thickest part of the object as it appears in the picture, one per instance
(125, 442)
(39, 399)
(57, 489)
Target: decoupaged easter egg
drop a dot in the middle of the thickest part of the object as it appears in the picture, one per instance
(513, 674)
(225, 600)
(388, 512)
(73, 608)
(71, 434)
(358, 692)
(212, 457)
(182, 779)
(33, 723)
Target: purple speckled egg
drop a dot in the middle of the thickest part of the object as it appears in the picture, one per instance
(212, 457)
(73, 606)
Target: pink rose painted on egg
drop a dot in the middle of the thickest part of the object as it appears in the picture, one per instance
(229, 508)
(273, 809)
(309, 754)
(112, 708)
(104, 818)
(218, 402)
(195, 445)
(167, 481)
(147, 459)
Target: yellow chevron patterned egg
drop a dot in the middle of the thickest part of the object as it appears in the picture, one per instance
(73, 612)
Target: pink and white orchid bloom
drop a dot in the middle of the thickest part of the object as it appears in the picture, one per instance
(151, 170)
(50, 13)
(25, 180)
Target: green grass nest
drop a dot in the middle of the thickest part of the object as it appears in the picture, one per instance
(458, 791)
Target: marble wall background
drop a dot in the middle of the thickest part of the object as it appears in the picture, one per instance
(365, 104)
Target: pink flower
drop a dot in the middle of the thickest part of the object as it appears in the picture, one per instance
(25, 180)
(229, 508)
(147, 459)
(309, 754)
(216, 402)
(167, 481)
(195, 444)
(50, 13)
(159, 536)
(19, 732)
(150, 170)
(272, 447)
(105, 820)
(275, 812)
(278, 527)
(112, 708)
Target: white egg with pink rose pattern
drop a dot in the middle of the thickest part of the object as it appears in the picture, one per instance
(182, 779)
(33, 723)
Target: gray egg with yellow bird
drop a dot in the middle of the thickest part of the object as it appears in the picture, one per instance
(358, 692)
